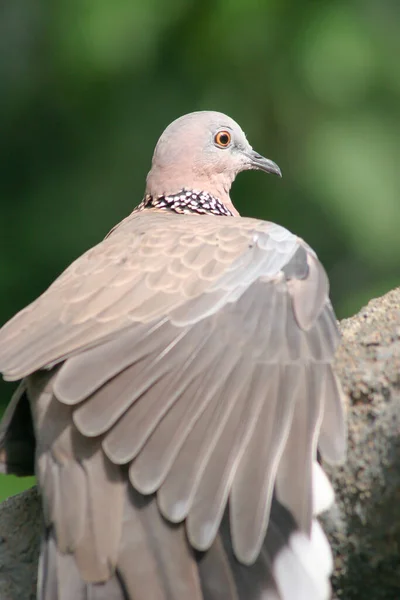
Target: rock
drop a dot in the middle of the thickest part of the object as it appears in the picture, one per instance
(364, 525)
(20, 524)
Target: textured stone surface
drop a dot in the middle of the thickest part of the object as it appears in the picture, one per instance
(20, 523)
(364, 526)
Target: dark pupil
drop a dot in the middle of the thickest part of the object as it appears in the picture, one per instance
(223, 139)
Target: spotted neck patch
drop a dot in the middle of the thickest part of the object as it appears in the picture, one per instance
(187, 202)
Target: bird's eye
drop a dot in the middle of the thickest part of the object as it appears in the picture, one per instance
(222, 139)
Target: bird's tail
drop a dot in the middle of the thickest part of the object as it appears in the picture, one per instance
(156, 562)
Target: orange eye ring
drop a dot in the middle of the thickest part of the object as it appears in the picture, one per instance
(223, 138)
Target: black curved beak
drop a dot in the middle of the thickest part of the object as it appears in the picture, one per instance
(263, 164)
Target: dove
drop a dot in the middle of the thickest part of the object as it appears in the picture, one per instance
(176, 390)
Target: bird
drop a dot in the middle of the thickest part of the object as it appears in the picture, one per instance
(177, 392)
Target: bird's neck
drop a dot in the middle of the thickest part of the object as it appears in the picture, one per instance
(188, 201)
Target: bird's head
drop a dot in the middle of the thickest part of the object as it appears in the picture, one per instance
(203, 151)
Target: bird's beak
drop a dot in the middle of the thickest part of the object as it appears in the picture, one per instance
(256, 161)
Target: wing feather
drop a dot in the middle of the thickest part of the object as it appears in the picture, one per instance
(149, 470)
(294, 477)
(216, 481)
(257, 468)
(176, 494)
(148, 543)
(98, 414)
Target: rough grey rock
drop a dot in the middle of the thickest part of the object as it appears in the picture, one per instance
(364, 525)
(20, 524)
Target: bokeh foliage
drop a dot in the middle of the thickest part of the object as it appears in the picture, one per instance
(87, 86)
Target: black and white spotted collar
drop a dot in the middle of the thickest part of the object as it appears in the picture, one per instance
(187, 202)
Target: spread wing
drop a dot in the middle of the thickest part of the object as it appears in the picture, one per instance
(196, 353)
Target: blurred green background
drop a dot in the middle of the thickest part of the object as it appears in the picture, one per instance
(87, 86)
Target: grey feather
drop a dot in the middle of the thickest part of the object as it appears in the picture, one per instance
(294, 475)
(176, 494)
(258, 465)
(147, 545)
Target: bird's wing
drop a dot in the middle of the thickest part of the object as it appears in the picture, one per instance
(197, 353)
(152, 268)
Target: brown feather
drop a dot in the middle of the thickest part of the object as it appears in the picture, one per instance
(177, 492)
(294, 475)
(144, 562)
(259, 463)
